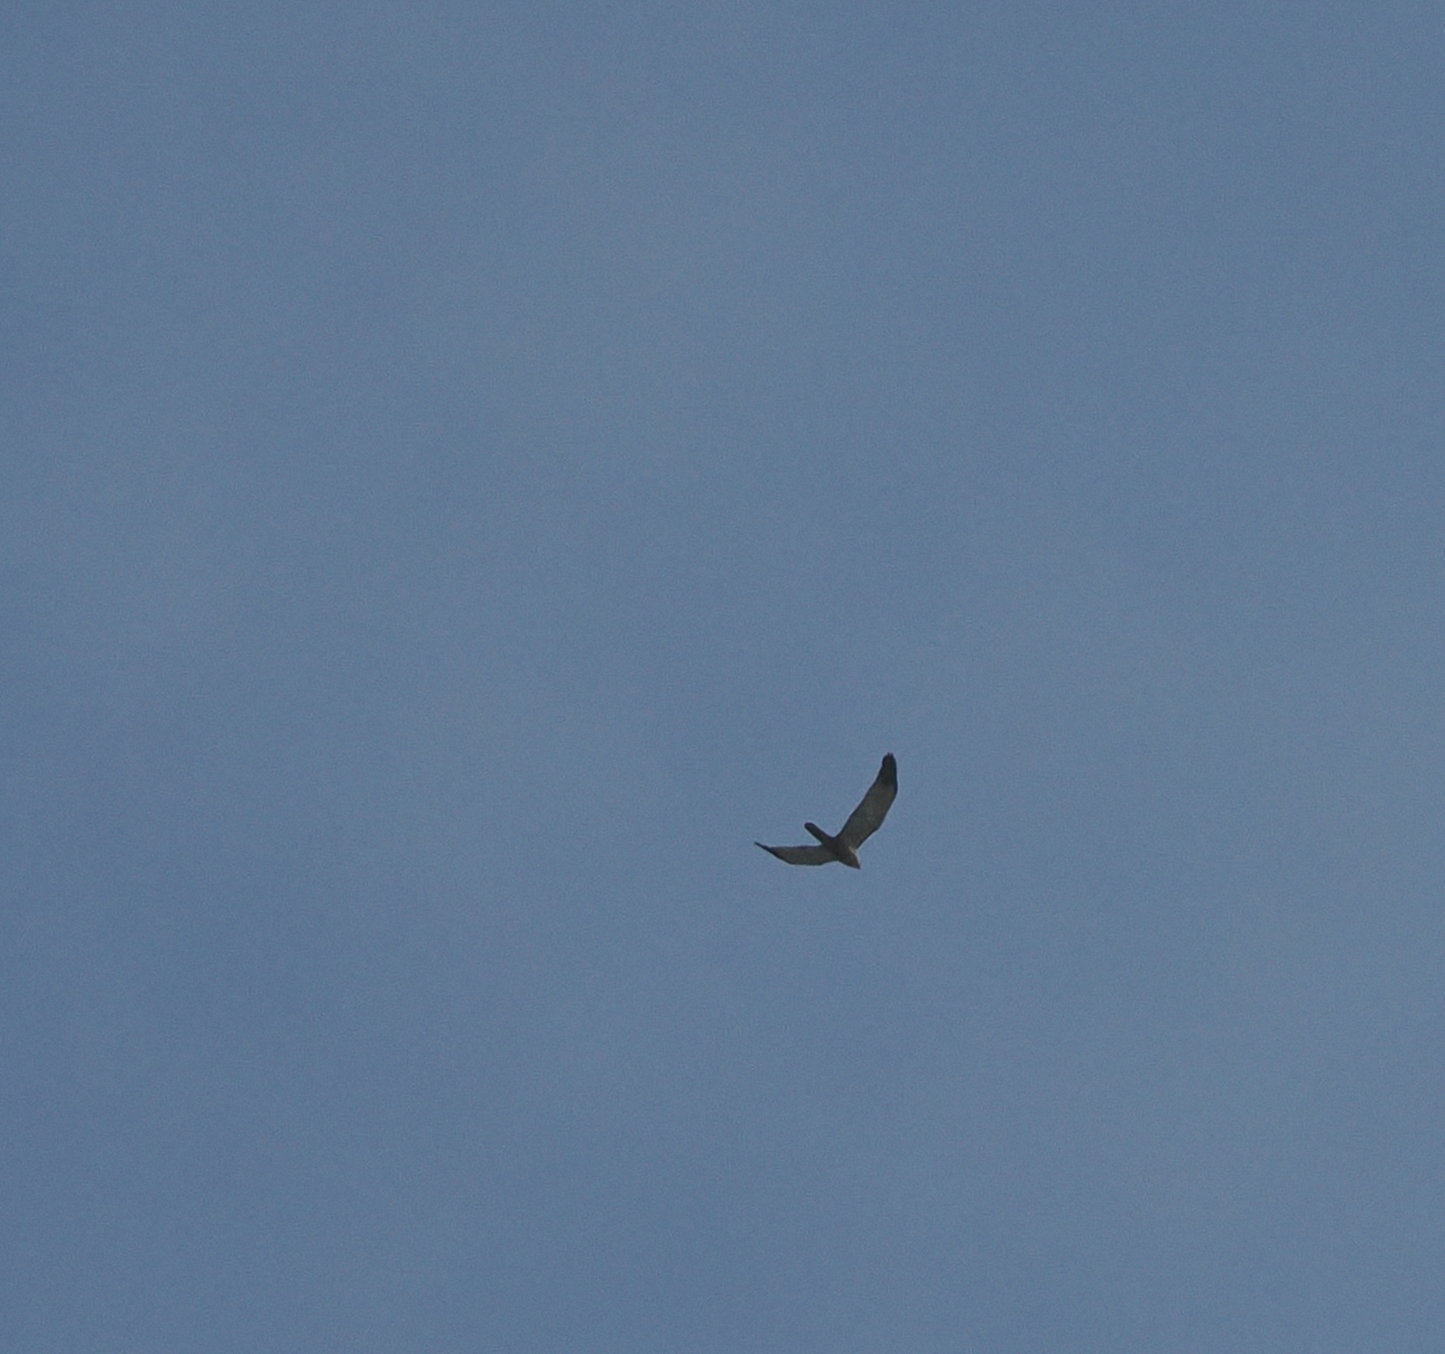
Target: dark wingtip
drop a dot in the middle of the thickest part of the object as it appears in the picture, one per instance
(889, 769)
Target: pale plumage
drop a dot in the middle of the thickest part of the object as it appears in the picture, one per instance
(862, 823)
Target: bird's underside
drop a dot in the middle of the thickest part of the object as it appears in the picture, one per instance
(862, 823)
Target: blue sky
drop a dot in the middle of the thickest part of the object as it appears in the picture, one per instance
(472, 469)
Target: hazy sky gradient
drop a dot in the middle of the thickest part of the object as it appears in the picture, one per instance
(472, 469)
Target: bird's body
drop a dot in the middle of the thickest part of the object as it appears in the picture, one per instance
(862, 823)
(840, 849)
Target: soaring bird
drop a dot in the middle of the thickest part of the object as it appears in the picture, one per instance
(862, 823)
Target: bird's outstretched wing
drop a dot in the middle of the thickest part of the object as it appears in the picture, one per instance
(868, 817)
(800, 855)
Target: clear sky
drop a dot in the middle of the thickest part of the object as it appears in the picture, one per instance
(470, 469)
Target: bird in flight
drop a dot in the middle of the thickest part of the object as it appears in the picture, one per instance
(862, 823)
